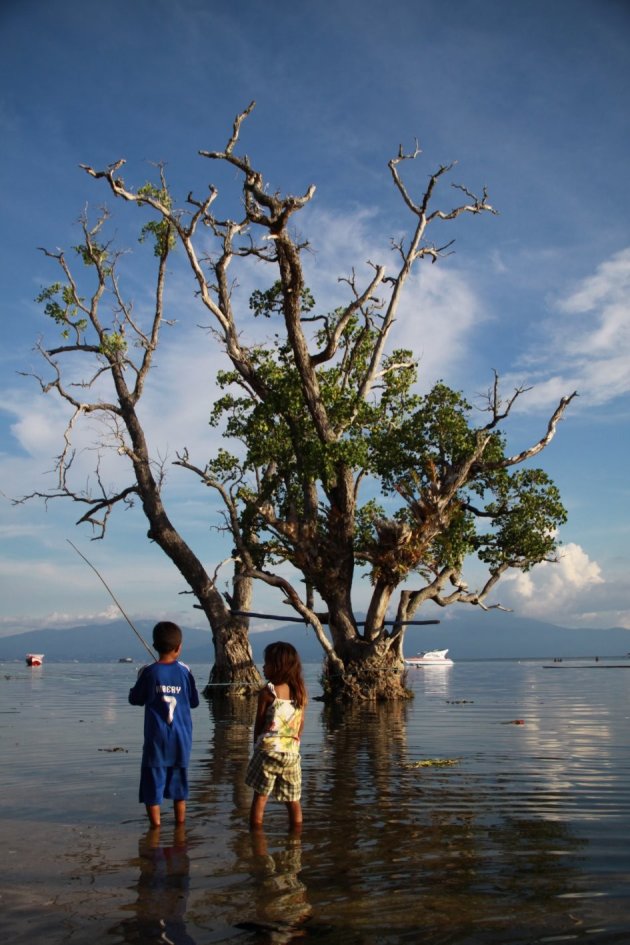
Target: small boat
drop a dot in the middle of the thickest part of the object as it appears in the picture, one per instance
(34, 659)
(125, 659)
(429, 658)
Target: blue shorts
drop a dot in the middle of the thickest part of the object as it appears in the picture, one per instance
(159, 783)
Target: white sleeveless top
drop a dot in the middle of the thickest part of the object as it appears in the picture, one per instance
(282, 725)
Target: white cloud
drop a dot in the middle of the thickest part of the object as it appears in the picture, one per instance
(586, 342)
(555, 592)
(36, 420)
(437, 314)
(174, 410)
(437, 311)
(62, 591)
(588, 348)
(438, 308)
(10, 625)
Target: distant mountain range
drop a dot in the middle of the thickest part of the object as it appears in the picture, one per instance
(468, 635)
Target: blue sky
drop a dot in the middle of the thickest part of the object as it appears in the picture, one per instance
(530, 98)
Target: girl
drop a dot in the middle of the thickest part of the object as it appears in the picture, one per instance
(274, 767)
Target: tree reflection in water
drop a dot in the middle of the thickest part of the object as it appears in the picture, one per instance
(390, 852)
(220, 784)
(393, 849)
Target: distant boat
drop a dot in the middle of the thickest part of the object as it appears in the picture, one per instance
(125, 659)
(429, 658)
(34, 659)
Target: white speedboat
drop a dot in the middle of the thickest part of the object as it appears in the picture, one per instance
(34, 659)
(429, 658)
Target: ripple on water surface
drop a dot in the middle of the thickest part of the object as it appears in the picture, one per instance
(492, 808)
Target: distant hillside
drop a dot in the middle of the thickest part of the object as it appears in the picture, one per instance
(468, 635)
(498, 635)
(97, 642)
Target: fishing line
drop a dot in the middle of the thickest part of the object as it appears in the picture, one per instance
(111, 594)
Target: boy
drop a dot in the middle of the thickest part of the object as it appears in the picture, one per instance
(168, 692)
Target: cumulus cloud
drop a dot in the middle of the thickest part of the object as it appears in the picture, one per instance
(586, 342)
(174, 410)
(10, 625)
(555, 592)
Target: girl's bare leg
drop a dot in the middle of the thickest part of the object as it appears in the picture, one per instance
(153, 812)
(179, 808)
(257, 812)
(295, 815)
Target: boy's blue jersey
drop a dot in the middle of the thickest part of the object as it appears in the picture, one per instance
(168, 693)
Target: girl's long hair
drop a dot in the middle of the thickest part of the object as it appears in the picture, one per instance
(283, 666)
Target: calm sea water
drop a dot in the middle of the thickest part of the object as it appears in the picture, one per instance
(442, 822)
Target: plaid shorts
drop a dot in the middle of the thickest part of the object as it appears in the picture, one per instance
(278, 773)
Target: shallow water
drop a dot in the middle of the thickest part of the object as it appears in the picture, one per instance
(521, 835)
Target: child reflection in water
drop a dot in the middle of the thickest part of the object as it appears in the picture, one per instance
(281, 902)
(162, 889)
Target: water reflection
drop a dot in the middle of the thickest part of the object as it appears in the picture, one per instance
(364, 747)
(279, 903)
(162, 892)
(388, 848)
(220, 781)
(523, 840)
(436, 678)
(395, 849)
(272, 904)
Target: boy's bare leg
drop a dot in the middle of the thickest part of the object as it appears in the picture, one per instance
(257, 812)
(179, 808)
(153, 812)
(295, 815)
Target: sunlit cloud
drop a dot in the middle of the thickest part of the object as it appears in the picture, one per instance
(554, 591)
(57, 619)
(586, 342)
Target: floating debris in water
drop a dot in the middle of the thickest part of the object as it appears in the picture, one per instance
(459, 701)
(431, 763)
(126, 750)
(514, 722)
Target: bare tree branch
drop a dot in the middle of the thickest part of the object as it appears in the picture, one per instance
(295, 601)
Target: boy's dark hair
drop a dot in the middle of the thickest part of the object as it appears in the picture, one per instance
(167, 637)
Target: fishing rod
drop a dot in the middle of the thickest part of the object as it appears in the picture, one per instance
(111, 594)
